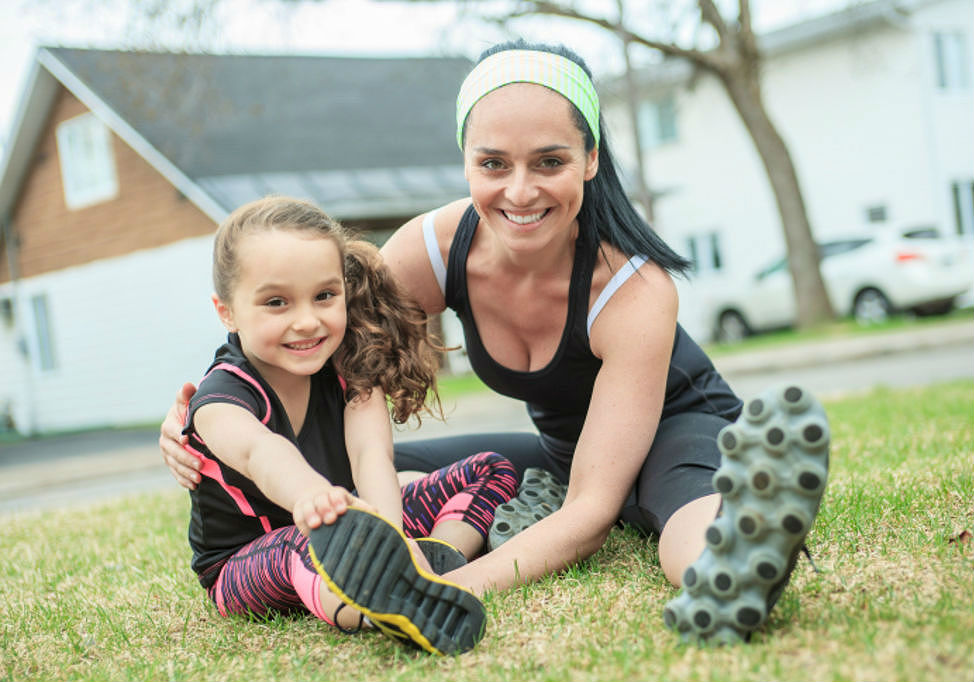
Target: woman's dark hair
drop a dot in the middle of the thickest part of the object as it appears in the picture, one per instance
(606, 213)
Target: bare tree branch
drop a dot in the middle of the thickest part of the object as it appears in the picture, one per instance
(707, 60)
(710, 14)
(748, 41)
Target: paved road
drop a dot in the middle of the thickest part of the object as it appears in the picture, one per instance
(66, 471)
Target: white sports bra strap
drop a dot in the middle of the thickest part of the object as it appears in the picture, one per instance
(618, 279)
(433, 250)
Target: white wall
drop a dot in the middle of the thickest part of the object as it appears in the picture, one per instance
(127, 332)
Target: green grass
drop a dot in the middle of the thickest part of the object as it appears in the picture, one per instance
(105, 592)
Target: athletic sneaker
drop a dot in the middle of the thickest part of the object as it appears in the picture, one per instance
(771, 481)
(443, 556)
(366, 561)
(538, 496)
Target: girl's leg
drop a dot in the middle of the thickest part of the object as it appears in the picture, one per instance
(456, 503)
(275, 573)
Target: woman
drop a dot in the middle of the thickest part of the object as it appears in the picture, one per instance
(567, 303)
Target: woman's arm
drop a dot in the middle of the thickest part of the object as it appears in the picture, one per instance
(273, 463)
(406, 256)
(368, 439)
(633, 335)
(182, 465)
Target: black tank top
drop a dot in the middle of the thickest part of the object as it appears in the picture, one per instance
(558, 394)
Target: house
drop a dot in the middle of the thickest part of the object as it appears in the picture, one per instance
(121, 164)
(877, 107)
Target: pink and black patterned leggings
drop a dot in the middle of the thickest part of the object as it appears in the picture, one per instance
(275, 573)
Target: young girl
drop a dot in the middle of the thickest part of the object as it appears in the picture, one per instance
(293, 414)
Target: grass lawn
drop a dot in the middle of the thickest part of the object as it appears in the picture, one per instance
(105, 592)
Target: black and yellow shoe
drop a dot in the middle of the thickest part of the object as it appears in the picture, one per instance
(367, 563)
(443, 556)
(771, 481)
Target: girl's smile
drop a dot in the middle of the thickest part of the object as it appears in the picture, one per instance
(288, 303)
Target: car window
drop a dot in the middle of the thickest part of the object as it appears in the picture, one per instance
(829, 249)
(777, 266)
(922, 233)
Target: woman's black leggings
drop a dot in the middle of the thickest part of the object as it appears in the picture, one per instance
(677, 470)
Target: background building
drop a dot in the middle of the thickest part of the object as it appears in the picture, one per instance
(877, 107)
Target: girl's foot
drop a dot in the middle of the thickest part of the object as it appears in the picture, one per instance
(771, 481)
(366, 561)
(443, 556)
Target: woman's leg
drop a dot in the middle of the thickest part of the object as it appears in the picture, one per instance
(771, 479)
(275, 573)
(523, 450)
(674, 494)
(456, 503)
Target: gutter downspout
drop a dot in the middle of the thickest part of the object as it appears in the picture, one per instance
(8, 239)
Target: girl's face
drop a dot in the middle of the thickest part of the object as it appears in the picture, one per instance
(526, 164)
(288, 304)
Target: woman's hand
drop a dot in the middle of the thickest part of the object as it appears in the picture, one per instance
(182, 465)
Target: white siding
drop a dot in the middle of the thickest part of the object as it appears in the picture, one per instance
(126, 333)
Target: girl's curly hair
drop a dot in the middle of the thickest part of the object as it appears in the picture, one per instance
(387, 342)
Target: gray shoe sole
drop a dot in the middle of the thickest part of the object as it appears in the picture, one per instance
(771, 481)
(539, 495)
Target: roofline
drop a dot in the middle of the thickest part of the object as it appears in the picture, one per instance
(153, 156)
(17, 149)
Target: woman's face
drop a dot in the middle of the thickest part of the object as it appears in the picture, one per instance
(526, 164)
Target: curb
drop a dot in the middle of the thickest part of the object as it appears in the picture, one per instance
(839, 350)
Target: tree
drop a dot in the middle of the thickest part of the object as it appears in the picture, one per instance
(728, 51)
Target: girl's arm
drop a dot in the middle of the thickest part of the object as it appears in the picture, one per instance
(273, 463)
(368, 439)
(634, 336)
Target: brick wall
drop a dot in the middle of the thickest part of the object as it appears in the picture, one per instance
(148, 211)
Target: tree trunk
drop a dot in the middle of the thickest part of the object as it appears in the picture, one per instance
(812, 302)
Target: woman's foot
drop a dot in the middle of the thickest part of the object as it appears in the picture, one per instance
(771, 481)
(539, 495)
(366, 561)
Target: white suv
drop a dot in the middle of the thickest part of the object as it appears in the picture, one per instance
(867, 277)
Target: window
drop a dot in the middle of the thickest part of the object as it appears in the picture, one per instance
(657, 121)
(87, 162)
(950, 53)
(705, 252)
(962, 194)
(42, 325)
(876, 214)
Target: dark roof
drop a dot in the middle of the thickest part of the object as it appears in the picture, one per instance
(376, 136)
(227, 114)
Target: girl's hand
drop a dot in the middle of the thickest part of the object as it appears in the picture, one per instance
(182, 465)
(323, 505)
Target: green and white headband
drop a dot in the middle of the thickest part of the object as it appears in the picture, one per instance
(529, 66)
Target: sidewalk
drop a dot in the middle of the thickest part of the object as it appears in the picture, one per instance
(39, 473)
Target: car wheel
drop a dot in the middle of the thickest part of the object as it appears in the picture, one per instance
(731, 326)
(871, 307)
